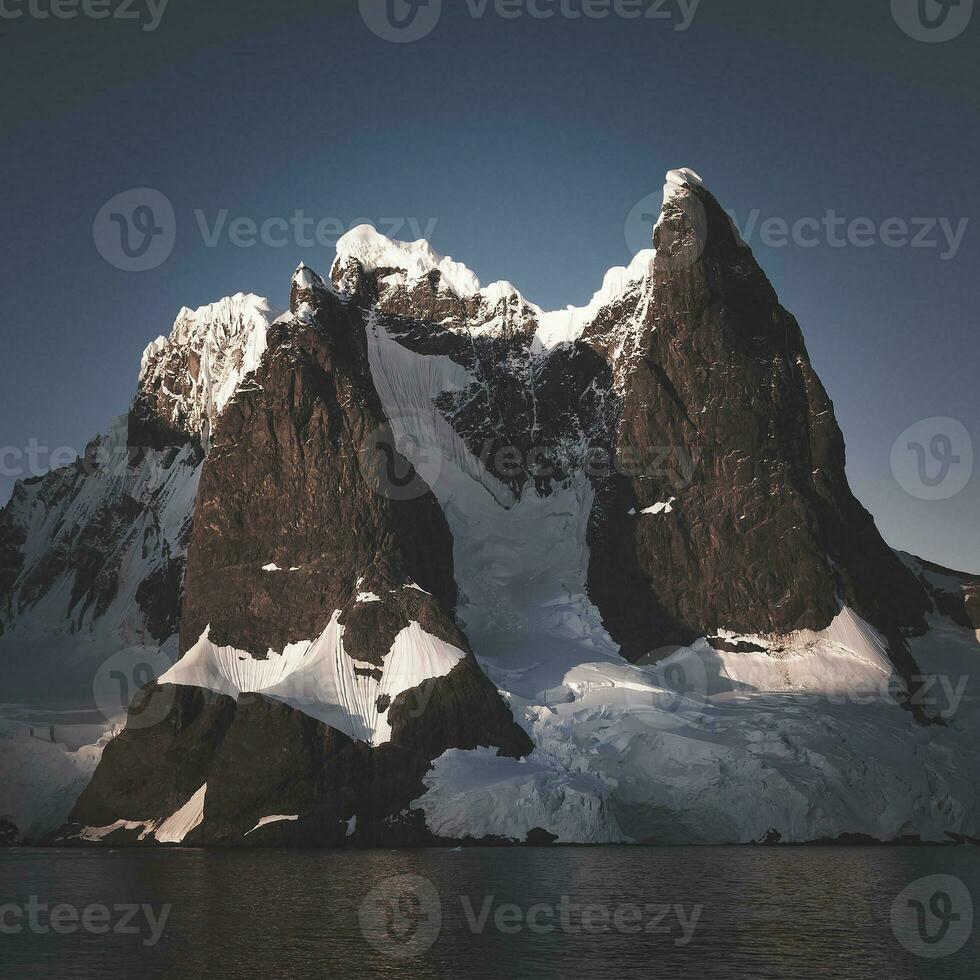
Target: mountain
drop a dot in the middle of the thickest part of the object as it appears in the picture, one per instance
(92, 556)
(92, 560)
(450, 566)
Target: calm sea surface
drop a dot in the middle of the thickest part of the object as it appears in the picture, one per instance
(554, 912)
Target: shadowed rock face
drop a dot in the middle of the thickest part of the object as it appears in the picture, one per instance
(260, 757)
(955, 594)
(289, 482)
(764, 534)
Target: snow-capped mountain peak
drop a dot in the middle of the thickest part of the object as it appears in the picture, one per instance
(679, 181)
(404, 264)
(191, 375)
(305, 278)
(564, 326)
(376, 251)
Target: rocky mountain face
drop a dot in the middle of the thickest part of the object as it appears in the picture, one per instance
(296, 544)
(689, 394)
(763, 534)
(464, 568)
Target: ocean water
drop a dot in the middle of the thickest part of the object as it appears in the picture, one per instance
(584, 913)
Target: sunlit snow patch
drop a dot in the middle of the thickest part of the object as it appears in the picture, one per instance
(170, 830)
(318, 678)
(265, 821)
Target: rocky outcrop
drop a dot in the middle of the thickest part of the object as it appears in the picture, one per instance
(287, 484)
(762, 534)
(294, 531)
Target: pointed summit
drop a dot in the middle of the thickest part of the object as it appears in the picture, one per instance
(305, 284)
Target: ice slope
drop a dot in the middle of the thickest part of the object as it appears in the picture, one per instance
(318, 678)
(40, 775)
(716, 747)
(520, 563)
(479, 794)
(275, 818)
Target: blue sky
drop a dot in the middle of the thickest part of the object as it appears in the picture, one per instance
(522, 145)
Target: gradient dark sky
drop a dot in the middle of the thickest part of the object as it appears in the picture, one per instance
(529, 142)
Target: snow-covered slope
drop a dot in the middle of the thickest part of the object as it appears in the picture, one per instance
(101, 559)
(99, 547)
(320, 679)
